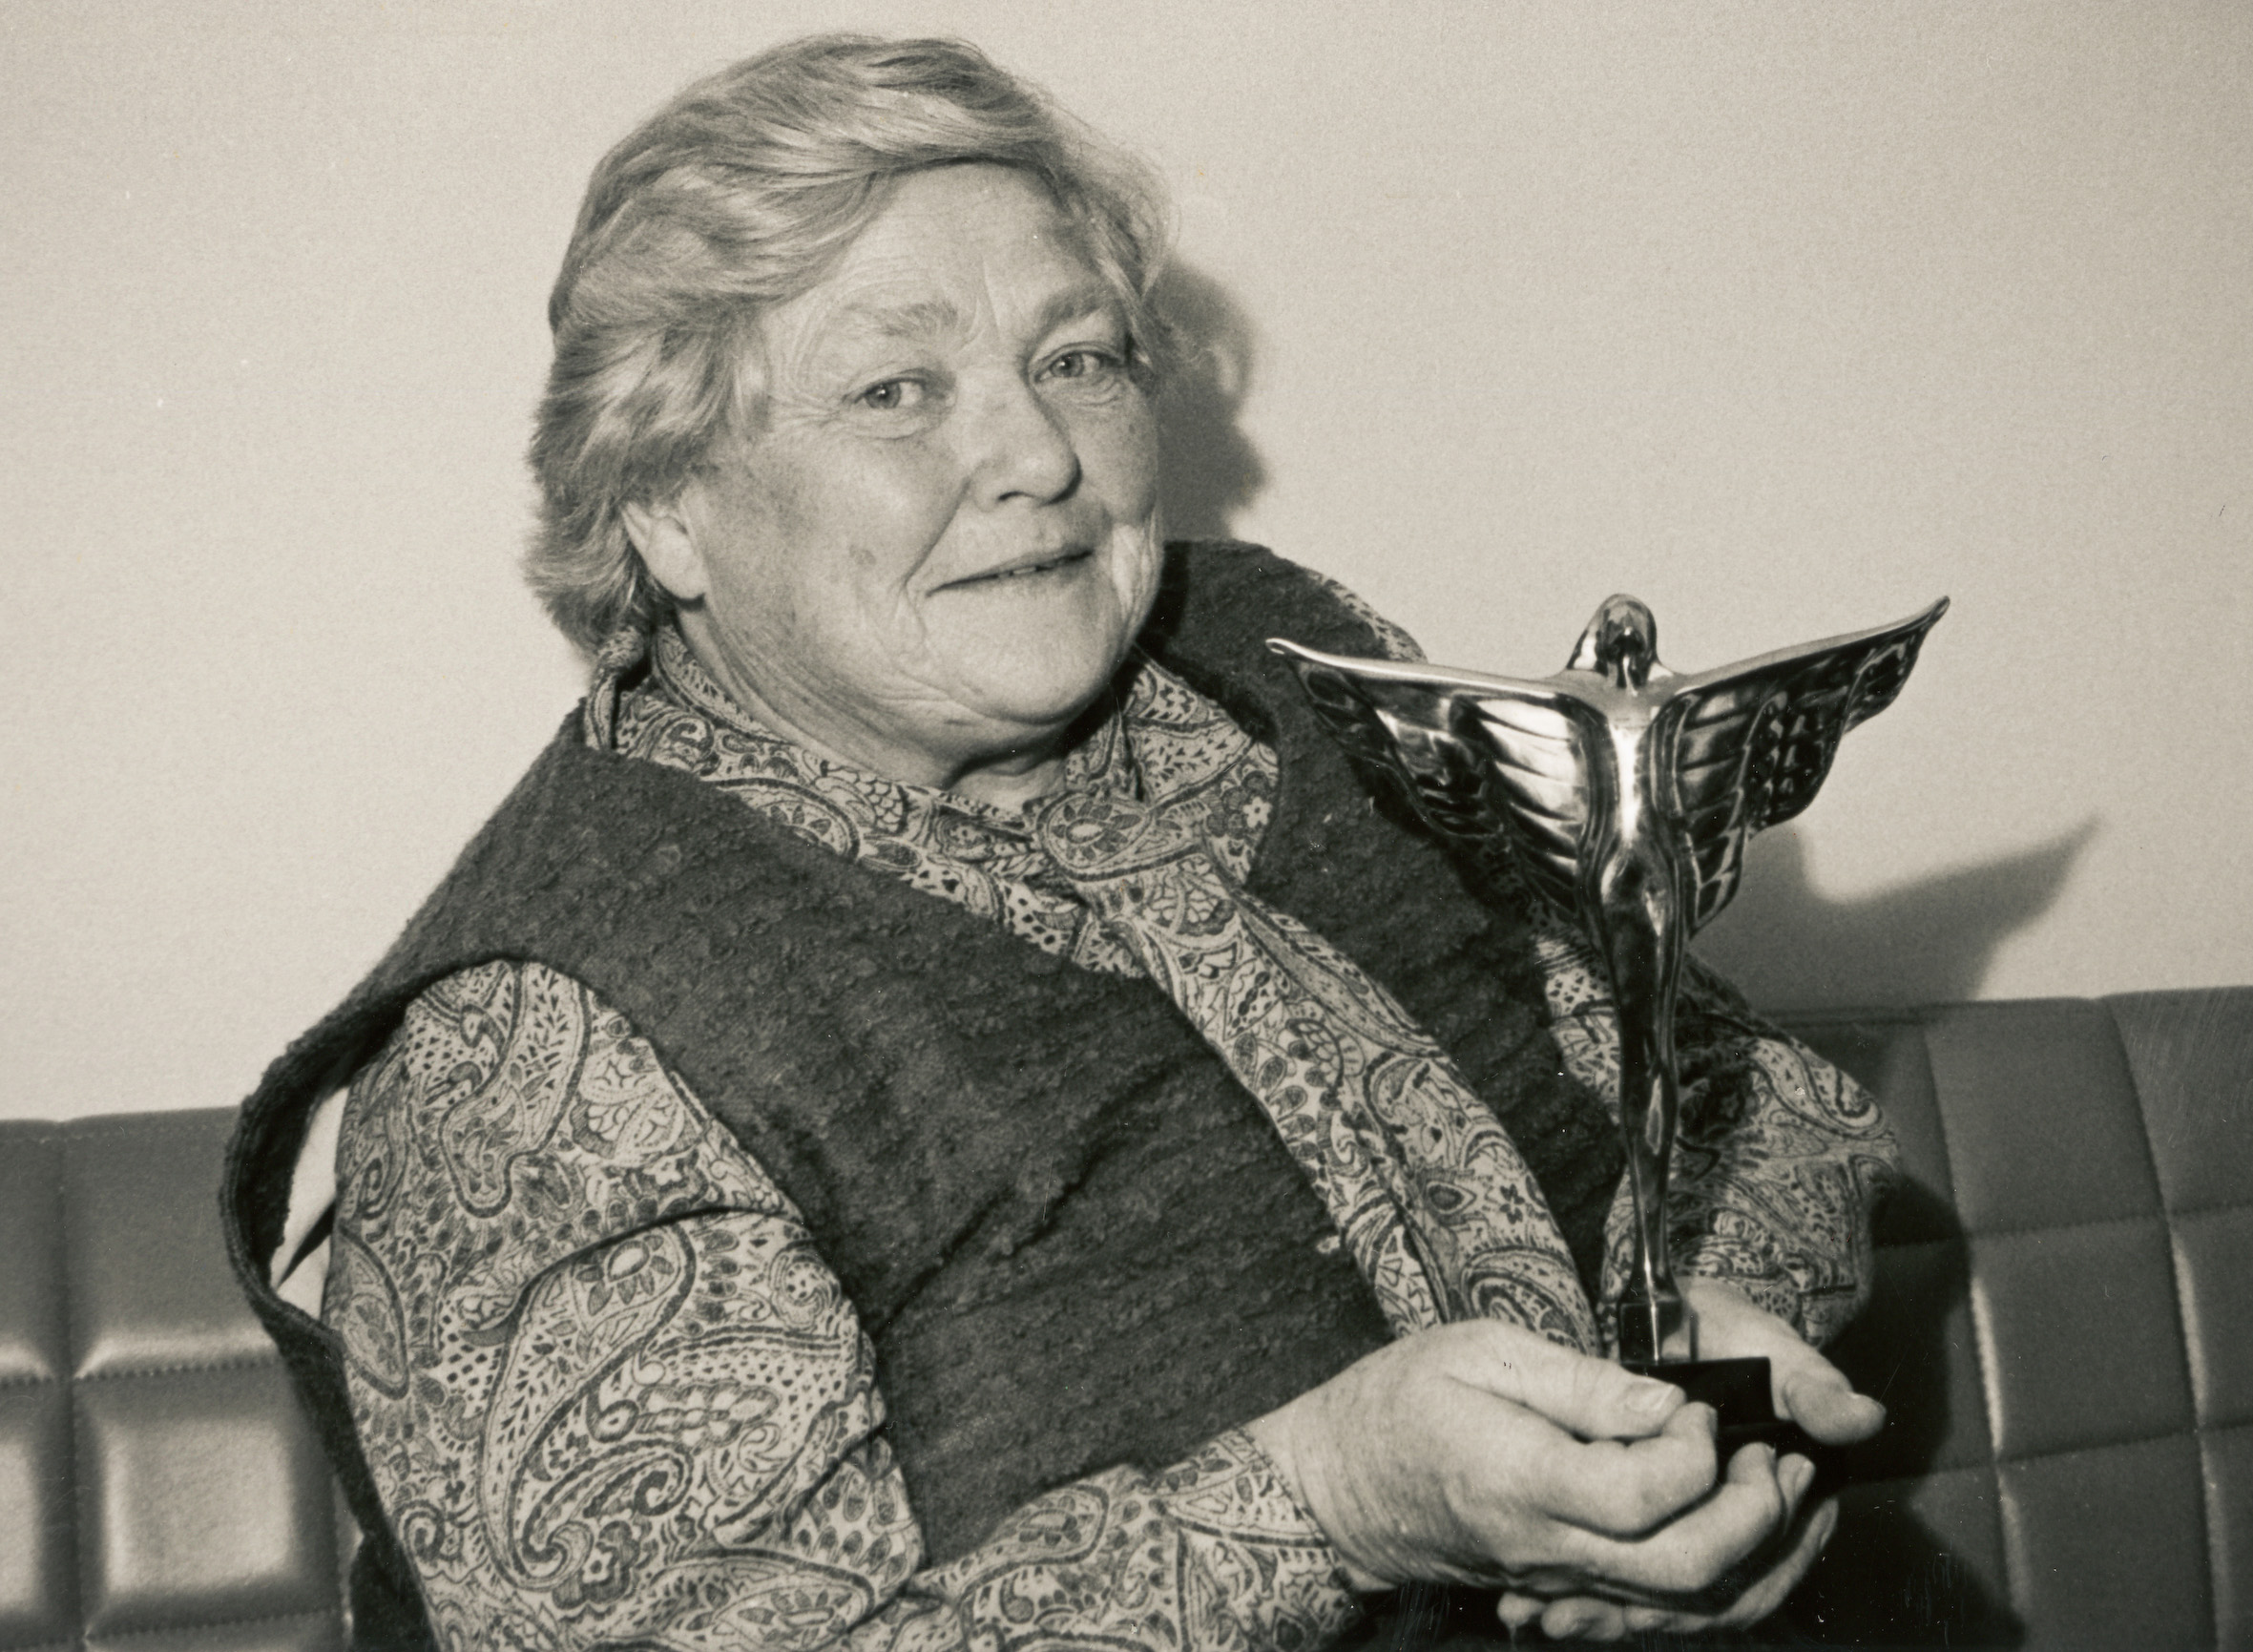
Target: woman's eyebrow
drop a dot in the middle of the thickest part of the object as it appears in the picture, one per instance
(916, 320)
(923, 317)
(1087, 298)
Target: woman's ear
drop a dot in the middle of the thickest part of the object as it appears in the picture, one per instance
(665, 536)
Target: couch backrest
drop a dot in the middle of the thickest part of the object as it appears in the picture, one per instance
(158, 1485)
(2063, 1329)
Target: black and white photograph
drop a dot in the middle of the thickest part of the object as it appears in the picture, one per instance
(938, 825)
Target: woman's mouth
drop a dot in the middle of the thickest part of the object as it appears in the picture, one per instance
(1030, 567)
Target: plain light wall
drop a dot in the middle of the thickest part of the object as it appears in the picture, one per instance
(1785, 317)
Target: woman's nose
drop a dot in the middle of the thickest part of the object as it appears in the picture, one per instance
(1020, 447)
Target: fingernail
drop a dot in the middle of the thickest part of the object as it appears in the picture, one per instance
(1799, 1473)
(1565, 1622)
(1651, 1397)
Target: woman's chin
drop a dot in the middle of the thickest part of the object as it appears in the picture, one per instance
(1033, 705)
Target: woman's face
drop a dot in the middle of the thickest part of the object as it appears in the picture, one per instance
(933, 549)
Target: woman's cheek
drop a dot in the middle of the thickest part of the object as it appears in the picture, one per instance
(1142, 564)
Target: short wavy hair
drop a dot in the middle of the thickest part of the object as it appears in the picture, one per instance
(742, 194)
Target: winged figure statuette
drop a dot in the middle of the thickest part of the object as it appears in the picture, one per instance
(1623, 795)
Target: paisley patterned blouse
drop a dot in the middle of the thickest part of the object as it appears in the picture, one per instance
(796, 1529)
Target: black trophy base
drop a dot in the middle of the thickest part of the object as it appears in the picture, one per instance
(1738, 1390)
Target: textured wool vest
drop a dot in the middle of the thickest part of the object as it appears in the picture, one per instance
(1073, 1238)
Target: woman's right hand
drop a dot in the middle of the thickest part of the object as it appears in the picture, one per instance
(1483, 1453)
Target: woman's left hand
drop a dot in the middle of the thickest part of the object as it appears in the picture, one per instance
(1805, 1389)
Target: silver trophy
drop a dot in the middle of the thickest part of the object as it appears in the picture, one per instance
(1622, 795)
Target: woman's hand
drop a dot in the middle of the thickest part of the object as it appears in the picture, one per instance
(1804, 1387)
(1482, 1454)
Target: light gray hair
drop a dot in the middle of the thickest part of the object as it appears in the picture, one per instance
(742, 194)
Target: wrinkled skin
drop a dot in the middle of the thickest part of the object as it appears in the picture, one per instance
(937, 542)
(1595, 1500)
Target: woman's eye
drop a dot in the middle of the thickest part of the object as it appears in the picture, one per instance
(1082, 363)
(892, 395)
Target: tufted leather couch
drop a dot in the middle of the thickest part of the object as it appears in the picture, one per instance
(2063, 1329)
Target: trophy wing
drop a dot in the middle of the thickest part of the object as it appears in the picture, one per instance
(1488, 761)
(1537, 739)
(1752, 743)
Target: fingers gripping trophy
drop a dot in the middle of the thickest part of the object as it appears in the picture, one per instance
(1622, 795)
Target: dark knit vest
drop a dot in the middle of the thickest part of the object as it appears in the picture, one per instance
(1073, 1238)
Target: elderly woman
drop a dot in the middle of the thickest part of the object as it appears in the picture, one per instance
(942, 1112)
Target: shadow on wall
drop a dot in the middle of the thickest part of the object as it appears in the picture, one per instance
(1788, 947)
(1209, 467)
(1785, 945)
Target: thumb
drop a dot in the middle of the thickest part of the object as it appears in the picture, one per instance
(1594, 1398)
(1817, 1397)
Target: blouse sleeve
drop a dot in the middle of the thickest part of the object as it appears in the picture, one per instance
(1781, 1158)
(608, 1391)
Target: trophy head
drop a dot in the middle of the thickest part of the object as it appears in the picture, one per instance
(1621, 644)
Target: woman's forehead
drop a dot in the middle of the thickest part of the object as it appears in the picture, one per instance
(952, 253)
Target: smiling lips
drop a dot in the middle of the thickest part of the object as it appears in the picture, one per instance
(1041, 562)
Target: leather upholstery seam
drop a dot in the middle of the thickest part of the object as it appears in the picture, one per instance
(81, 1496)
(2190, 1431)
(193, 1626)
(186, 1367)
(2176, 1283)
(1993, 1464)
(2164, 1217)
(1983, 1346)
(2225, 1208)
(173, 1121)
